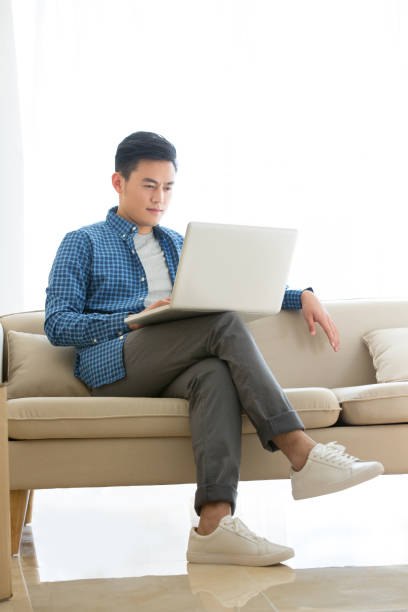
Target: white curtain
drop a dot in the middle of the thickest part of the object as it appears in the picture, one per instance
(11, 173)
(284, 113)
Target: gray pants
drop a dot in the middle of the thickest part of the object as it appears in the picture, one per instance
(213, 362)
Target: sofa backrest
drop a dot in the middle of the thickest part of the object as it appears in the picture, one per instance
(296, 358)
(300, 360)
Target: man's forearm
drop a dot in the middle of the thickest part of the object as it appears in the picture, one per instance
(65, 328)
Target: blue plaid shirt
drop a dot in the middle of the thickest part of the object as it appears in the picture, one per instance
(95, 282)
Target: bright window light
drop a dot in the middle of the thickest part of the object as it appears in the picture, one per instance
(283, 114)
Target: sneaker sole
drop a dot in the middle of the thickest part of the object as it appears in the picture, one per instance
(338, 486)
(250, 560)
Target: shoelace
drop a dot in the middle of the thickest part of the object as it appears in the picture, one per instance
(334, 453)
(237, 526)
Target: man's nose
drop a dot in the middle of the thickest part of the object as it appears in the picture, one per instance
(158, 194)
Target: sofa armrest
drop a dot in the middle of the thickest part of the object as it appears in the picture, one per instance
(5, 550)
(1, 352)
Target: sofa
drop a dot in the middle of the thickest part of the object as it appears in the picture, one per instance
(60, 436)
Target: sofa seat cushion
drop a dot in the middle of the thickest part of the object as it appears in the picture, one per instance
(316, 406)
(128, 417)
(378, 404)
(97, 417)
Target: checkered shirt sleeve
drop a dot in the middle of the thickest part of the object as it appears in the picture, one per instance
(68, 321)
(291, 299)
(94, 284)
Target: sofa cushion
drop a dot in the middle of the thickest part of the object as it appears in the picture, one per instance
(36, 368)
(389, 351)
(316, 406)
(30, 322)
(380, 404)
(129, 417)
(97, 417)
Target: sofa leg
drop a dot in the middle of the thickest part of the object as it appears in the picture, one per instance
(29, 512)
(18, 508)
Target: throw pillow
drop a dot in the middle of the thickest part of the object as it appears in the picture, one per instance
(36, 368)
(389, 351)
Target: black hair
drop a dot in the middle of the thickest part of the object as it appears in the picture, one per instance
(142, 145)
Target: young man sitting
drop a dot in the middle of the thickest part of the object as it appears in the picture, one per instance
(127, 263)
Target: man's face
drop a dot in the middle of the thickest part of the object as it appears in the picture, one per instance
(144, 198)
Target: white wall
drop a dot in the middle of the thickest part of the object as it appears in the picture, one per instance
(11, 173)
(283, 114)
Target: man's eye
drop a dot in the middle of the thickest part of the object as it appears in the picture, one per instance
(149, 186)
(168, 188)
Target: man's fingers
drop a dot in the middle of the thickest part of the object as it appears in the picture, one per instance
(336, 337)
(163, 302)
(311, 324)
(331, 332)
(327, 329)
(135, 325)
(313, 313)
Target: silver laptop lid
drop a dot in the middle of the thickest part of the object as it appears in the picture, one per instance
(233, 267)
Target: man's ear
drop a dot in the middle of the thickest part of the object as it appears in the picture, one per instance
(118, 182)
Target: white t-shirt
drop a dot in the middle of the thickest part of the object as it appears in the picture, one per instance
(154, 263)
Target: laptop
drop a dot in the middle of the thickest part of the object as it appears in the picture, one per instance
(227, 267)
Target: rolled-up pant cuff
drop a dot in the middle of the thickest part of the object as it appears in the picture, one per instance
(213, 493)
(284, 423)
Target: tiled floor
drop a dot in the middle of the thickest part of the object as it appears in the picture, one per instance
(124, 549)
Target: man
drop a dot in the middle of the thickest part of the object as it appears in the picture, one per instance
(106, 271)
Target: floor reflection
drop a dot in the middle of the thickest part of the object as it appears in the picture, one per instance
(211, 588)
(124, 549)
(233, 587)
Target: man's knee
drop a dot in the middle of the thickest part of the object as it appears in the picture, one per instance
(211, 377)
(211, 368)
(230, 318)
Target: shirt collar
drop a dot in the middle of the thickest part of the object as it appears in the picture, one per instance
(123, 226)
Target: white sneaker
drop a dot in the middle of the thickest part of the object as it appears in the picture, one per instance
(329, 469)
(232, 543)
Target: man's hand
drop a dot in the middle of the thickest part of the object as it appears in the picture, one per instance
(164, 302)
(314, 312)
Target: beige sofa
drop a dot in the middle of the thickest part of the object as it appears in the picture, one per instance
(60, 436)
